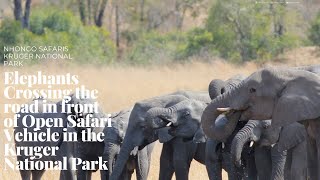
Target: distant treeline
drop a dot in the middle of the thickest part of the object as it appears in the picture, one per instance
(237, 31)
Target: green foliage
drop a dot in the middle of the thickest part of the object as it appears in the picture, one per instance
(52, 27)
(197, 40)
(10, 34)
(153, 47)
(243, 30)
(314, 31)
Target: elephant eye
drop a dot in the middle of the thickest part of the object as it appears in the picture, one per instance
(223, 90)
(265, 126)
(187, 113)
(252, 90)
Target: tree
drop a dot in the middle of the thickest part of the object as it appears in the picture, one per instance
(17, 11)
(245, 30)
(82, 10)
(99, 17)
(314, 31)
(86, 13)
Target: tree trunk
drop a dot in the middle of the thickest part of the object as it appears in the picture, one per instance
(101, 13)
(17, 10)
(25, 22)
(142, 10)
(89, 12)
(82, 10)
(117, 26)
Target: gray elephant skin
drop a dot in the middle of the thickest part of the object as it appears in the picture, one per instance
(184, 121)
(139, 135)
(178, 152)
(114, 135)
(280, 153)
(285, 95)
(66, 150)
(218, 153)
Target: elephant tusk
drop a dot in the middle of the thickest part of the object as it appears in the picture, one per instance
(169, 124)
(251, 143)
(273, 145)
(224, 109)
(223, 145)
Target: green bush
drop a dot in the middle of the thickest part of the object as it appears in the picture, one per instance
(153, 47)
(314, 31)
(54, 27)
(10, 34)
(197, 40)
(244, 31)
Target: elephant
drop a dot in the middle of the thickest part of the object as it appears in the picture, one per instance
(114, 135)
(184, 121)
(280, 153)
(285, 95)
(188, 133)
(64, 151)
(176, 157)
(218, 153)
(138, 134)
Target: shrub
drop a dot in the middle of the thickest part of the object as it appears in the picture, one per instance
(314, 31)
(244, 30)
(153, 47)
(197, 40)
(54, 27)
(10, 34)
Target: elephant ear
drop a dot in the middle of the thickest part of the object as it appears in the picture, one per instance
(199, 136)
(291, 136)
(298, 101)
(164, 135)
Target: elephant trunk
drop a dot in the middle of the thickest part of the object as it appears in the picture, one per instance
(110, 153)
(122, 158)
(158, 117)
(220, 130)
(216, 87)
(245, 135)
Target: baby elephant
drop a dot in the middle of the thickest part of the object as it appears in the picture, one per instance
(139, 160)
(280, 153)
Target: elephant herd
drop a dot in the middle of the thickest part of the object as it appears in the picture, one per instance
(264, 126)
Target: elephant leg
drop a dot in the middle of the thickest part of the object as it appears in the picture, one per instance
(68, 175)
(142, 164)
(212, 161)
(214, 169)
(104, 175)
(36, 175)
(166, 162)
(299, 165)
(234, 173)
(89, 175)
(312, 158)
(182, 156)
(25, 174)
(81, 174)
(278, 163)
(251, 170)
(263, 163)
(129, 174)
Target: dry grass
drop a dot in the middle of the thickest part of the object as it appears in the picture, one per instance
(121, 87)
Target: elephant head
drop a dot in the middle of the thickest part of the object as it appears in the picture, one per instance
(224, 126)
(114, 136)
(254, 131)
(138, 135)
(183, 119)
(272, 93)
(277, 140)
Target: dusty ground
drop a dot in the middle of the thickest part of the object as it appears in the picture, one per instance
(121, 87)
